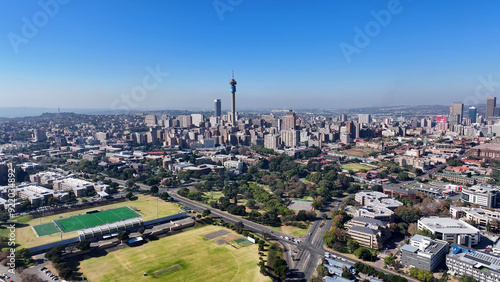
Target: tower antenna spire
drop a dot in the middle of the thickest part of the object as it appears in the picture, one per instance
(233, 74)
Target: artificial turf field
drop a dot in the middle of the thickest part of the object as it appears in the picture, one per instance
(144, 204)
(187, 256)
(85, 221)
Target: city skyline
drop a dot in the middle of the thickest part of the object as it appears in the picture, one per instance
(185, 53)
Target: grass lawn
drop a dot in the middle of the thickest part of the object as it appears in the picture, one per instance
(355, 167)
(195, 259)
(213, 195)
(145, 205)
(294, 231)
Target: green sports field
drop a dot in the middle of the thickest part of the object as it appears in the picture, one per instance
(187, 256)
(85, 221)
(355, 167)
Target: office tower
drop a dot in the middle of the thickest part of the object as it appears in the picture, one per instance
(342, 117)
(364, 118)
(197, 119)
(351, 128)
(456, 113)
(217, 111)
(472, 114)
(39, 135)
(151, 120)
(289, 121)
(233, 92)
(491, 103)
(185, 121)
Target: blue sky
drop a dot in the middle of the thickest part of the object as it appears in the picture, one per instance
(286, 54)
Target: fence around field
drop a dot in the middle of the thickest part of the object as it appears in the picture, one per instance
(79, 207)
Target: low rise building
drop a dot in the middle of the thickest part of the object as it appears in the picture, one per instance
(481, 266)
(424, 253)
(485, 195)
(78, 186)
(450, 230)
(478, 215)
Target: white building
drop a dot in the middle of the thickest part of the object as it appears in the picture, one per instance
(485, 195)
(449, 229)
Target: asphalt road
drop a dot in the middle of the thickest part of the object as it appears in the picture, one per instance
(309, 251)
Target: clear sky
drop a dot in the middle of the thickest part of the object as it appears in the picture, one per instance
(286, 54)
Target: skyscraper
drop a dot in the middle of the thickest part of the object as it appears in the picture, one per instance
(217, 105)
(456, 113)
(491, 103)
(364, 118)
(233, 92)
(289, 121)
(472, 114)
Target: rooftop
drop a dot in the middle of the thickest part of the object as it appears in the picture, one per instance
(448, 225)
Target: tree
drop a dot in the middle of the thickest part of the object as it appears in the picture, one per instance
(206, 213)
(154, 189)
(421, 274)
(280, 268)
(389, 260)
(466, 278)
(347, 274)
(122, 236)
(30, 277)
(4, 216)
(66, 273)
(129, 183)
(316, 205)
(364, 254)
(239, 225)
(352, 245)
(251, 203)
(322, 270)
(83, 245)
(129, 195)
(403, 176)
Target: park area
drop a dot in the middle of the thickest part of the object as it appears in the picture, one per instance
(85, 221)
(209, 253)
(355, 167)
(144, 205)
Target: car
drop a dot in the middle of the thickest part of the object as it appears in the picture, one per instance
(6, 276)
(43, 268)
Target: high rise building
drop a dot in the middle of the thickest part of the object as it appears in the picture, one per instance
(472, 114)
(271, 141)
(456, 113)
(289, 121)
(364, 118)
(217, 105)
(151, 120)
(197, 119)
(233, 105)
(491, 103)
(39, 135)
(342, 117)
(290, 138)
